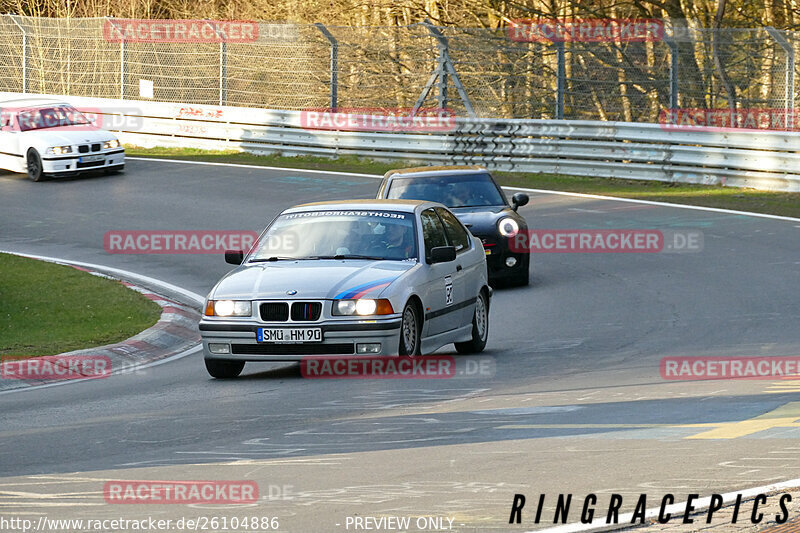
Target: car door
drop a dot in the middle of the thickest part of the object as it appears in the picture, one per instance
(466, 278)
(440, 292)
(9, 141)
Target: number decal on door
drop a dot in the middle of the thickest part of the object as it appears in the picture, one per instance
(448, 290)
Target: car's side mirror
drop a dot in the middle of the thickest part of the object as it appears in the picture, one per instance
(443, 254)
(234, 257)
(518, 200)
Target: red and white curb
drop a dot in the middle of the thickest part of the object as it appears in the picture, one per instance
(174, 336)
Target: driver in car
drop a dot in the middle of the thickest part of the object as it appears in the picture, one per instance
(398, 241)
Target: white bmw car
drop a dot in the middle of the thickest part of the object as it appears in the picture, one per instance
(49, 138)
(357, 278)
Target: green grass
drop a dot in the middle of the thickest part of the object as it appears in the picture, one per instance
(50, 309)
(776, 203)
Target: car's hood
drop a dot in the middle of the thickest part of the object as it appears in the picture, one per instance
(63, 135)
(483, 220)
(320, 279)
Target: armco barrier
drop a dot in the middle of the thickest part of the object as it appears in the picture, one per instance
(744, 158)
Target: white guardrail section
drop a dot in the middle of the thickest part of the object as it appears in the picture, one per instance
(758, 159)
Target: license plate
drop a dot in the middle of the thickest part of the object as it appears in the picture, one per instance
(289, 335)
(91, 158)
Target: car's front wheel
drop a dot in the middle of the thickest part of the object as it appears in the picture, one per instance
(224, 369)
(410, 330)
(480, 327)
(35, 169)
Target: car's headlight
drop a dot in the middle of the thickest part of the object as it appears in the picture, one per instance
(113, 143)
(362, 307)
(59, 150)
(507, 227)
(228, 308)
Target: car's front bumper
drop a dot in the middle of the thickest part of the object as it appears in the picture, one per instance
(497, 252)
(61, 165)
(339, 338)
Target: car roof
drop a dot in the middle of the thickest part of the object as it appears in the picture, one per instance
(407, 206)
(444, 170)
(31, 102)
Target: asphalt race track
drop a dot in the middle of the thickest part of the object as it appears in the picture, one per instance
(569, 400)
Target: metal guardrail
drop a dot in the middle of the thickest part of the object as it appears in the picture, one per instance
(739, 158)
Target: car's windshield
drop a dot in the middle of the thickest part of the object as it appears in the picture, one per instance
(50, 117)
(372, 235)
(465, 190)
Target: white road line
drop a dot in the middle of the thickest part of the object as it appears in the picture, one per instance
(193, 296)
(129, 276)
(662, 204)
(240, 165)
(540, 191)
(699, 505)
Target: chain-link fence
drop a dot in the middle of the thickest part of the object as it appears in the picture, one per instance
(474, 72)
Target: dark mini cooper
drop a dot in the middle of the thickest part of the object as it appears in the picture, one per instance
(476, 199)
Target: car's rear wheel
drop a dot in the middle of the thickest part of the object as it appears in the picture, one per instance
(224, 369)
(480, 327)
(410, 330)
(35, 169)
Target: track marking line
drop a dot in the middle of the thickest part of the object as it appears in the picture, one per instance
(784, 416)
(242, 165)
(541, 191)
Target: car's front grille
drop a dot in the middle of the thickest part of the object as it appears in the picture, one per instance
(306, 311)
(96, 147)
(293, 349)
(84, 148)
(274, 311)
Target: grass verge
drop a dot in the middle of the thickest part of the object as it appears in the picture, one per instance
(776, 203)
(50, 309)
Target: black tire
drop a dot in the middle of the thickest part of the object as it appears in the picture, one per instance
(34, 165)
(224, 369)
(480, 327)
(410, 330)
